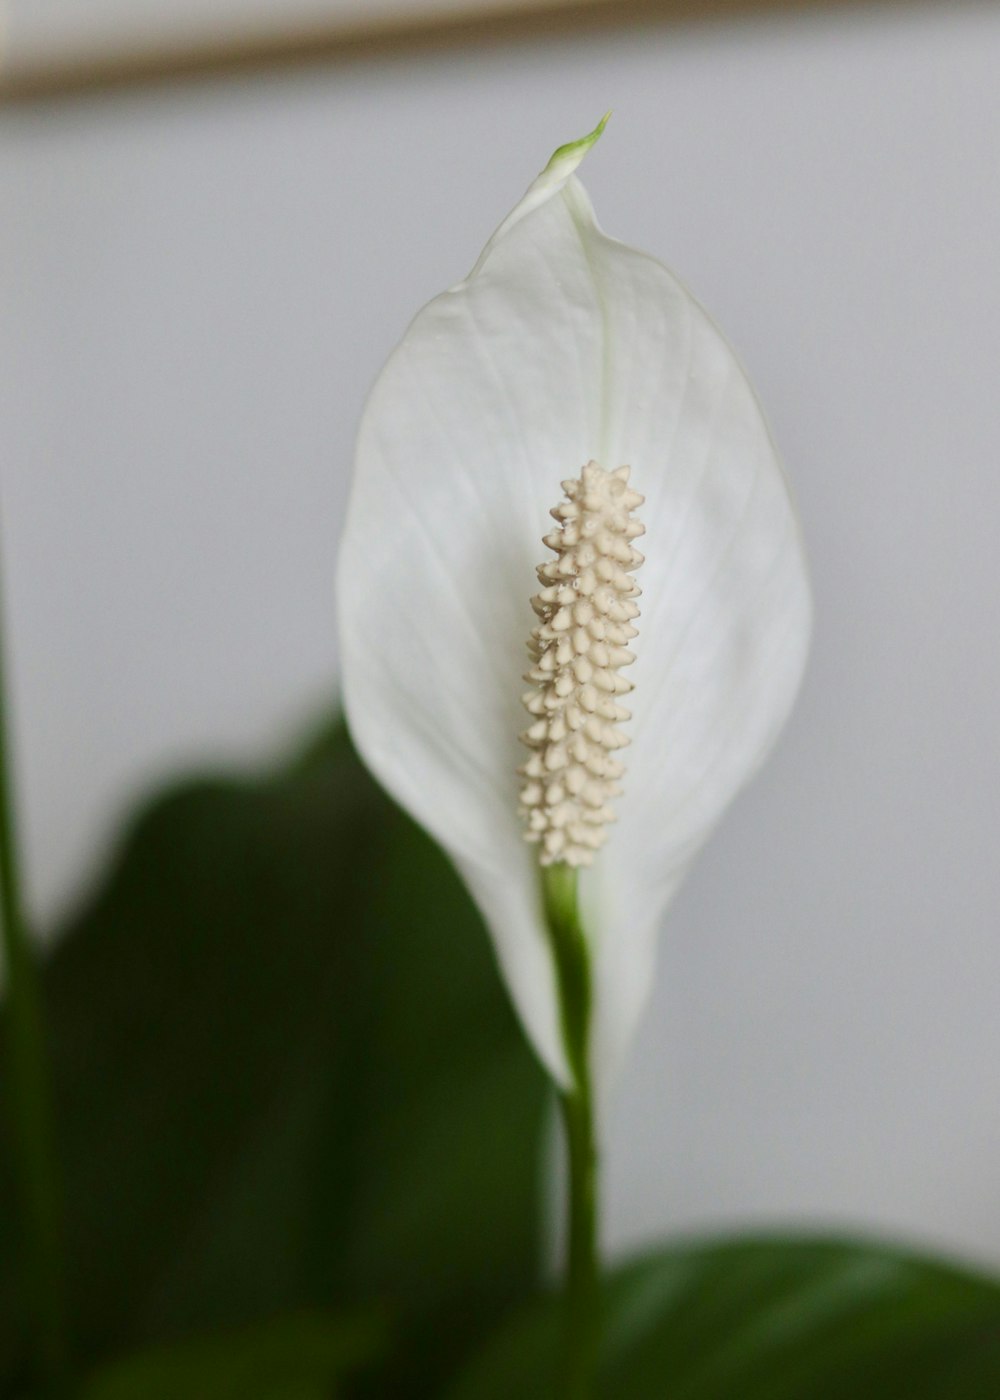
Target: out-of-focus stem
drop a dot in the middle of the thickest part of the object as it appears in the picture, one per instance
(28, 1093)
(581, 1327)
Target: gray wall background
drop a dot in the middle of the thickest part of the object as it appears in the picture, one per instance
(197, 287)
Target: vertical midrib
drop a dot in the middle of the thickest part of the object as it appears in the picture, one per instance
(583, 224)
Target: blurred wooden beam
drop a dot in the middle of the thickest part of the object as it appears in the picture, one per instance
(341, 41)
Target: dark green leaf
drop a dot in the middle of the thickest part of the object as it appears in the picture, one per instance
(287, 1077)
(295, 1358)
(770, 1320)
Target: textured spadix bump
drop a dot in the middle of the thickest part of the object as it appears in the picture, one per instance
(587, 607)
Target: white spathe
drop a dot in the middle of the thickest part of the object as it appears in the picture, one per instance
(561, 346)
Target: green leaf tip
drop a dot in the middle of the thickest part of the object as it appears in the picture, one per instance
(576, 150)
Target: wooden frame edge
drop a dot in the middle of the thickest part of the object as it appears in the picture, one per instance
(337, 42)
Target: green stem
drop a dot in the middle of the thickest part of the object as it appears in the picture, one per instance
(581, 1329)
(28, 1096)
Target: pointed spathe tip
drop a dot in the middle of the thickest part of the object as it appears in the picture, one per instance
(573, 152)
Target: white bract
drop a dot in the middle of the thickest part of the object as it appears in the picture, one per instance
(561, 347)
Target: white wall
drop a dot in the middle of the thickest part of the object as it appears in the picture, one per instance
(196, 289)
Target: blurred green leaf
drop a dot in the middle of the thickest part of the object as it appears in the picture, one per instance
(295, 1358)
(287, 1077)
(769, 1320)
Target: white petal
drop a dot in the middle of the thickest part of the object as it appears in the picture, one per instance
(726, 608)
(562, 346)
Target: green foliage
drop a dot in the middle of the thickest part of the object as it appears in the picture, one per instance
(299, 1133)
(769, 1319)
(287, 1077)
(295, 1358)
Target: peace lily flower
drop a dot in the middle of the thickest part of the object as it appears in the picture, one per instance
(566, 357)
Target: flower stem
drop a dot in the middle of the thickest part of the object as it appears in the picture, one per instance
(581, 1329)
(28, 1097)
